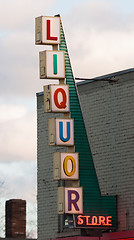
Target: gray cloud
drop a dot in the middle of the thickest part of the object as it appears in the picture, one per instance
(18, 134)
(100, 38)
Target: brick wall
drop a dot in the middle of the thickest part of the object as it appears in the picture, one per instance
(16, 218)
(108, 111)
(47, 187)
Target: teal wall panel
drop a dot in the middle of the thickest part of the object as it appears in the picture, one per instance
(93, 202)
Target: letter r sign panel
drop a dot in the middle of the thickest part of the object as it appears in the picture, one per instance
(74, 200)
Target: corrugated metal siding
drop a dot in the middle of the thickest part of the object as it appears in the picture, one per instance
(93, 202)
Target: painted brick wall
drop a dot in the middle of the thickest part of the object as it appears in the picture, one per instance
(47, 187)
(108, 111)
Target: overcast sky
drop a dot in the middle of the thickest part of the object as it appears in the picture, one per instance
(100, 38)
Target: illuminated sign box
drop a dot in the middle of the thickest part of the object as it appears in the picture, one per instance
(61, 132)
(65, 166)
(93, 221)
(52, 64)
(56, 98)
(70, 200)
(47, 30)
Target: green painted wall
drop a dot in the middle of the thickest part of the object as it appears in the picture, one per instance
(93, 202)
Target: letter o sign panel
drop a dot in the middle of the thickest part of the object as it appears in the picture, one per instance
(69, 166)
(74, 200)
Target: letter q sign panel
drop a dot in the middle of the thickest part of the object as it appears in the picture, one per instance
(56, 98)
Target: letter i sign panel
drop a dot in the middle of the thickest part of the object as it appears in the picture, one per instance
(55, 66)
(52, 64)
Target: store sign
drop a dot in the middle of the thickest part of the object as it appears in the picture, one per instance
(56, 98)
(73, 200)
(52, 64)
(87, 221)
(61, 131)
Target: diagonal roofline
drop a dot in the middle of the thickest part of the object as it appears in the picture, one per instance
(106, 77)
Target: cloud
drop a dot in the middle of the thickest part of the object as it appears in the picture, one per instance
(19, 181)
(100, 38)
(98, 33)
(20, 14)
(18, 137)
(19, 73)
(11, 112)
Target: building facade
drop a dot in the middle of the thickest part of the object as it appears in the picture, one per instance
(107, 105)
(103, 137)
(108, 110)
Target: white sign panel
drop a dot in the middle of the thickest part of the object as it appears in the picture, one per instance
(60, 98)
(55, 64)
(65, 132)
(74, 200)
(69, 166)
(51, 30)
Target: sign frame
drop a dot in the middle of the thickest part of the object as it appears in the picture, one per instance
(39, 31)
(58, 166)
(48, 107)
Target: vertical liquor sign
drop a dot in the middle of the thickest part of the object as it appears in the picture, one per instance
(61, 131)
(91, 210)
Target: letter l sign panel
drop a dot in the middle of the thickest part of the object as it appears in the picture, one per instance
(51, 30)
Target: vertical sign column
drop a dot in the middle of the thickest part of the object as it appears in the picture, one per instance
(56, 99)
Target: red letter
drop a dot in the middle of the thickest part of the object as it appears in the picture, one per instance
(80, 220)
(87, 223)
(102, 220)
(94, 220)
(63, 103)
(48, 32)
(108, 221)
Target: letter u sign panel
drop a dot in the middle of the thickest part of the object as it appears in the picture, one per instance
(74, 200)
(65, 132)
